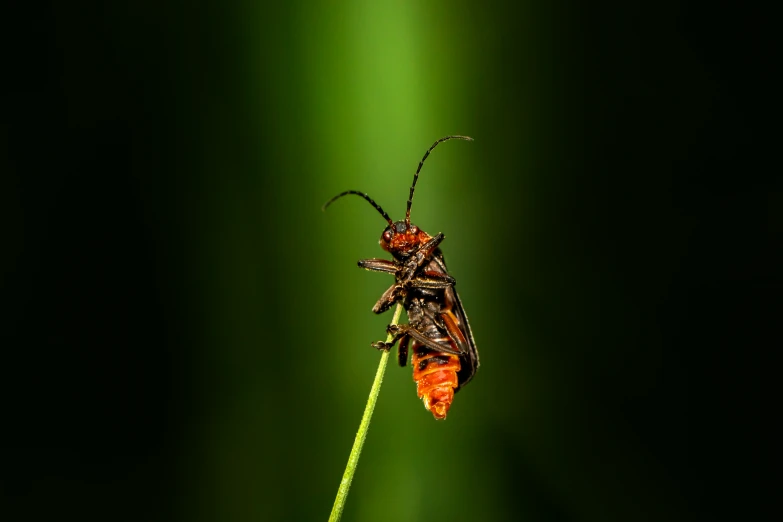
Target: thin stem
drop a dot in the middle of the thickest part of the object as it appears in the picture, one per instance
(353, 459)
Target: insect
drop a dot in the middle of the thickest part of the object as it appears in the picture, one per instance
(444, 356)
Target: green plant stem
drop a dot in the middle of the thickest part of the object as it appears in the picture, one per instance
(353, 459)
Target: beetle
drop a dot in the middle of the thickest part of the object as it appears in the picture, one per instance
(445, 357)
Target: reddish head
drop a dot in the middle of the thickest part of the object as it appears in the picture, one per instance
(401, 239)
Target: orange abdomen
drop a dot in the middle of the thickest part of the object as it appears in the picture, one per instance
(435, 374)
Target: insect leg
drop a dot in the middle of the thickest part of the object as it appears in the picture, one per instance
(421, 256)
(378, 265)
(396, 335)
(433, 279)
(397, 291)
(389, 297)
(405, 329)
(434, 274)
(432, 244)
(402, 351)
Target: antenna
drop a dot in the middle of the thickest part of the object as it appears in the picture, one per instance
(365, 196)
(416, 176)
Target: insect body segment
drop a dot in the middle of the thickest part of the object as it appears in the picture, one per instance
(435, 374)
(444, 356)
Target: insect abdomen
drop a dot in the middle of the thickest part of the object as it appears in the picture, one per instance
(435, 374)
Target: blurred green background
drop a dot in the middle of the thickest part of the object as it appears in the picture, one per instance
(187, 334)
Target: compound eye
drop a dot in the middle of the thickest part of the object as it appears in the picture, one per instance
(387, 236)
(414, 229)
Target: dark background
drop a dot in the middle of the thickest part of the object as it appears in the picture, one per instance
(185, 335)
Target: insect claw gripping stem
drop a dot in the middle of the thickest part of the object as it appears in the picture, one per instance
(395, 332)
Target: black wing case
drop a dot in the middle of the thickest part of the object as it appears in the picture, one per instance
(469, 361)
